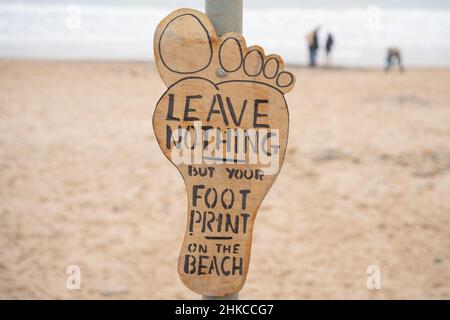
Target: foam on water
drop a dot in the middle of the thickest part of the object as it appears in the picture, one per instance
(126, 32)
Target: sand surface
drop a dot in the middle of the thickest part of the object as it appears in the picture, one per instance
(83, 182)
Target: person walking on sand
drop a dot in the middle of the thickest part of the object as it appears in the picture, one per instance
(328, 48)
(313, 45)
(393, 57)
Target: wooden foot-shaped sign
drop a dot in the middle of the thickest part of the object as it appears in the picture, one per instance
(223, 122)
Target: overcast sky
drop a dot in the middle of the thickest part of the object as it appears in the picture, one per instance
(430, 4)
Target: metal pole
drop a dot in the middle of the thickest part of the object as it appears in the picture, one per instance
(226, 16)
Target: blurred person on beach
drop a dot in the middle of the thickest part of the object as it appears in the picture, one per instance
(313, 45)
(328, 48)
(393, 57)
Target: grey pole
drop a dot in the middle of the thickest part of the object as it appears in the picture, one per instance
(226, 16)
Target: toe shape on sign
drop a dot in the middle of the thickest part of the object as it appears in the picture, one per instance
(231, 56)
(183, 43)
(272, 66)
(254, 61)
(285, 81)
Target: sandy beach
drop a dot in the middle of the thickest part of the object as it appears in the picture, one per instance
(83, 182)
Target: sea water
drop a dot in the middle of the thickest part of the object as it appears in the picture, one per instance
(110, 31)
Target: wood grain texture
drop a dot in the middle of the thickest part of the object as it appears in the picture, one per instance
(223, 122)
